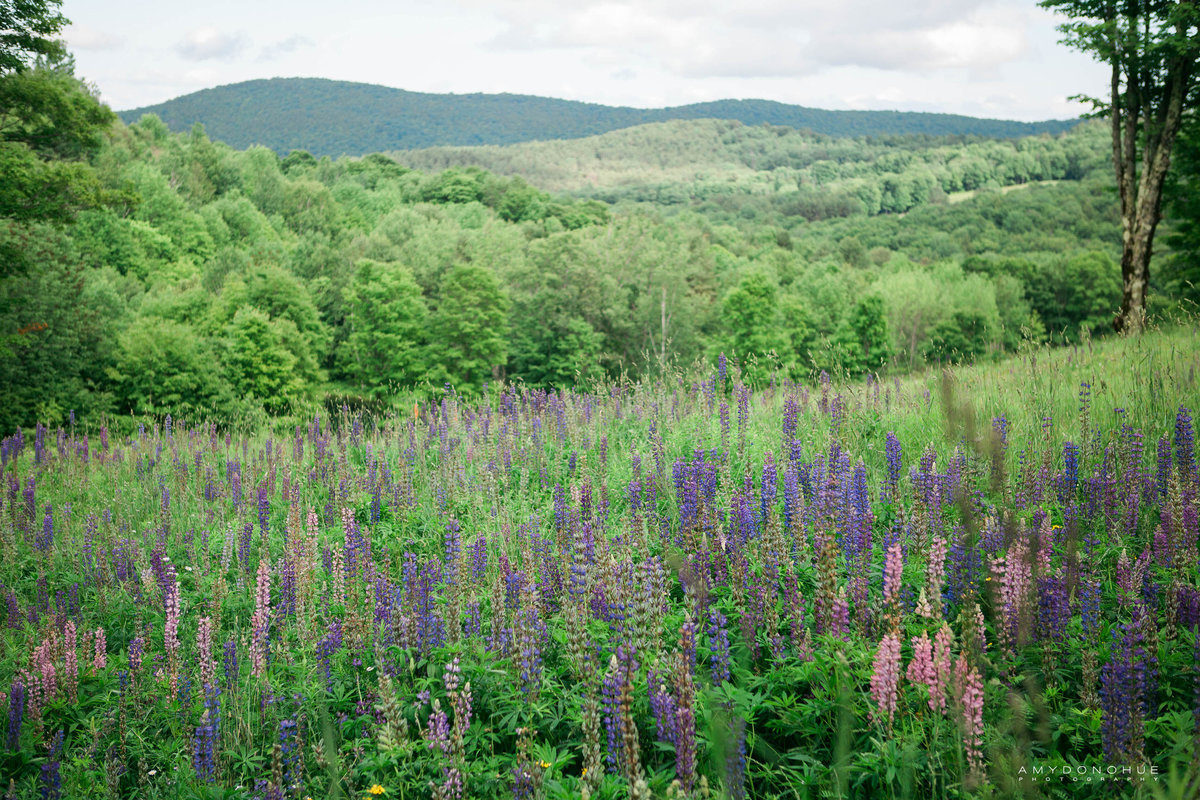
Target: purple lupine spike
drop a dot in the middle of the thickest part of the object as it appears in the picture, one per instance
(453, 551)
(1163, 473)
(663, 707)
(479, 559)
(51, 780)
(1070, 470)
(16, 712)
(891, 487)
(45, 540)
(1185, 459)
(770, 485)
(1118, 690)
(735, 759)
(718, 642)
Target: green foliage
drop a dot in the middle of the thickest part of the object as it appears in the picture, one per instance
(1077, 296)
(385, 317)
(467, 339)
(194, 233)
(57, 329)
(1181, 270)
(49, 121)
(258, 363)
(164, 367)
(751, 316)
(28, 29)
(960, 338)
(862, 343)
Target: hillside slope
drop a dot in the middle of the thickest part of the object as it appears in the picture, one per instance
(695, 159)
(335, 118)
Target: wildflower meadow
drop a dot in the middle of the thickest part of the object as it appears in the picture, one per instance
(981, 582)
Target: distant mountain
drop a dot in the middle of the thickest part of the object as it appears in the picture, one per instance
(340, 118)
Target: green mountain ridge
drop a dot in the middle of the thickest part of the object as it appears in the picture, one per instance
(327, 117)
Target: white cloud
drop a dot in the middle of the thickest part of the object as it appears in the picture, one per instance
(205, 43)
(284, 47)
(83, 37)
(770, 38)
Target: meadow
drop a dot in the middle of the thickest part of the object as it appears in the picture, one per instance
(966, 583)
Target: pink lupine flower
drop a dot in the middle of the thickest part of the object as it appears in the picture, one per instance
(969, 691)
(171, 631)
(941, 669)
(204, 647)
(1015, 583)
(262, 611)
(892, 570)
(885, 682)
(100, 659)
(70, 660)
(935, 574)
(920, 669)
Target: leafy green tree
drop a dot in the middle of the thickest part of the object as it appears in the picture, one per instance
(522, 202)
(468, 341)
(58, 321)
(862, 339)
(564, 304)
(752, 324)
(49, 123)
(385, 317)
(1182, 271)
(959, 338)
(453, 186)
(28, 29)
(162, 366)
(555, 357)
(1153, 51)
(801, 335)
(1080, 292)
(258, 364)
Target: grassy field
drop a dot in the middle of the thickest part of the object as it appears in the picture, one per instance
(959, 584)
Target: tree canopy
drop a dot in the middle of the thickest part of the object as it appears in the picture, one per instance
(27, 30)
(1153, 51)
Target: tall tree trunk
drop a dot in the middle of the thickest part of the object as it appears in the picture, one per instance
(1141, 195)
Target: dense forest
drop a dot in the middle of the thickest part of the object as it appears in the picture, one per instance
(677, 163)
(183, 275)
(337, 118)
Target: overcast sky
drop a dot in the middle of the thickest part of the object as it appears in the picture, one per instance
(993, 58)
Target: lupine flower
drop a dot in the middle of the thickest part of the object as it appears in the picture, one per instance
(718, 642)
(16, 712)
(1121, 702)
(735, 760)
(259, 622)
(885, 679)
(969, 695)
(51, 780)
(1185, 460)
(891, 486)
(45, 540)
(893, 566)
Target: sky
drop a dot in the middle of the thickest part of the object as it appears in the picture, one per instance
(987, 58)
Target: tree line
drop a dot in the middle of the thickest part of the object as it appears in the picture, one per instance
(153, 272)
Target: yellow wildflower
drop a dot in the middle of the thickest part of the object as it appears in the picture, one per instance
(545, 764)
(377, 789)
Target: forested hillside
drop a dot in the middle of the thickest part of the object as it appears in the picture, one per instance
(337, 118)
(190, 277)
(814, 176)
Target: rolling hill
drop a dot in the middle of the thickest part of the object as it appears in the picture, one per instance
(336, 118)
